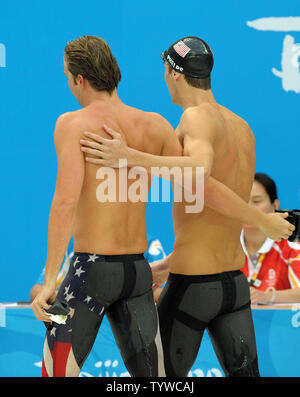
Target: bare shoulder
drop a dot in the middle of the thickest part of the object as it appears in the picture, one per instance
(66, 124)
(156, 125)
(240, 125)
(245, 129)
(203, 110)
(163, 131)
(198, 115)
(202, 122)
(151, 122)
(206, 109)
(158, 121)
(249, 133)
(65, 119)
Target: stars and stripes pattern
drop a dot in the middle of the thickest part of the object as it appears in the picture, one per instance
(95, 283)
(58, 342)
(181, 48)
(71, 287)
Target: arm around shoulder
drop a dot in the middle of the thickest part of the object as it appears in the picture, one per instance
(170, 143)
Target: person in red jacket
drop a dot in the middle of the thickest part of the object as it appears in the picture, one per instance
(272, 268)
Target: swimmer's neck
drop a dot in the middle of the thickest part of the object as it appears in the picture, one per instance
(190, 96)
(91, 97)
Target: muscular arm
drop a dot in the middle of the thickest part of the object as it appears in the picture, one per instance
(70, 175)
(198, 152)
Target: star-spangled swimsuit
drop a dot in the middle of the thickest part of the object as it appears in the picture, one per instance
(119, 286)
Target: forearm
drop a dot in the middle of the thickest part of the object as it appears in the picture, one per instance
(186, 173)
(60, 225)
(161, 264)
(149, 161)
(160, 270)
(166, 262)
(217, 196)
(287, 296)
(220, 198)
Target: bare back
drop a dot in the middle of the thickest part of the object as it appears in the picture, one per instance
(209, 242)
(114, 227)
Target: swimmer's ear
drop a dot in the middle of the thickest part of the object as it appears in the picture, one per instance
(175, 75)
(79, 79)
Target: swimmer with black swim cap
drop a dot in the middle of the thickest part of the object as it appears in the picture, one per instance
(205, 288)
(190, 56)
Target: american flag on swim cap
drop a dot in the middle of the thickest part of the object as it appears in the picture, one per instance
(181, 48)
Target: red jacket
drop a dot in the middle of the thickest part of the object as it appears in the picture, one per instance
(278, 265)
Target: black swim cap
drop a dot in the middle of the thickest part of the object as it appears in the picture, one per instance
(190, 56)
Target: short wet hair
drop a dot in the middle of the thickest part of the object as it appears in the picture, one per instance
(91, 57)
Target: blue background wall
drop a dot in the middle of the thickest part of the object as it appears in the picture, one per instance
(34, 93)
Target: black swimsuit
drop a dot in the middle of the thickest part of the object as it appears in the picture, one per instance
(220, 303)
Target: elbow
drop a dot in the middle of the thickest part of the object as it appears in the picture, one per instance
(65, 201)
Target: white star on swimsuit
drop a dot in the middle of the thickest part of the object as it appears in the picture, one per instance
(52, 332)
(76, 261)
(67, 289)
(69, 296)
(79, 271)
(92, 258)
(87, 299)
